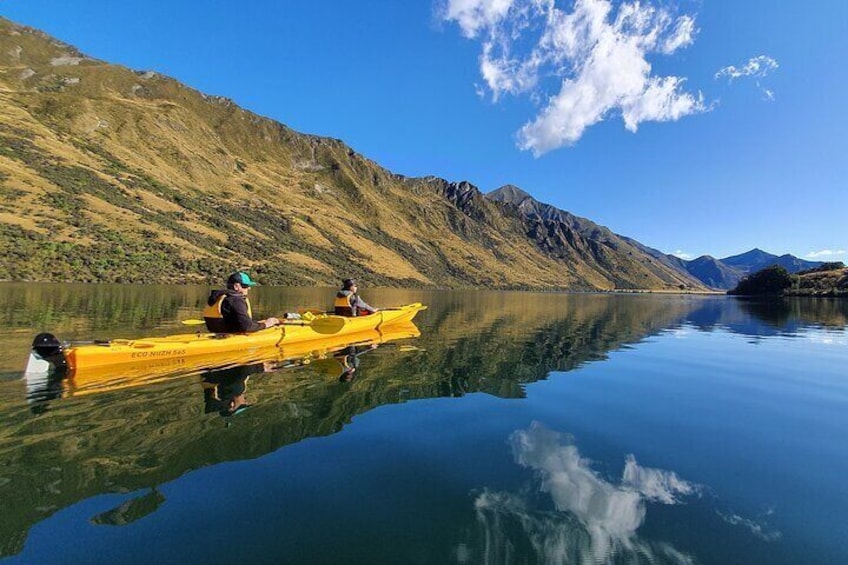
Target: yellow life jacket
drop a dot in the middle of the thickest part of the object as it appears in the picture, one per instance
(343, 304)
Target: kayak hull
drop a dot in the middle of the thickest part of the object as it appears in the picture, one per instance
(180, 348)
(108, 378)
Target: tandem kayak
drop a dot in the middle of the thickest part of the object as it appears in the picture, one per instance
(50, 354)
(108, 378)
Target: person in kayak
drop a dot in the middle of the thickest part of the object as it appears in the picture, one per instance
(228, 311)
(348, 303)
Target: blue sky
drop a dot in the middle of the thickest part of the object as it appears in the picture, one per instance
(696, 127)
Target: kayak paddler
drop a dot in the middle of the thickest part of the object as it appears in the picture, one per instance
(348, 302)
(228, 311)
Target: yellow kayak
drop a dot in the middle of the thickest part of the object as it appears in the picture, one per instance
(146, 372)
(179, 349)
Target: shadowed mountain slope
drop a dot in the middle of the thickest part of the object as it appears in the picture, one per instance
(562, 234)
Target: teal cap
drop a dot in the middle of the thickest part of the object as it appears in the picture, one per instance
(242, 278)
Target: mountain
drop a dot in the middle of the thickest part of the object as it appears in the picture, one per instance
(114, 175)
(562, 233)
(757, 259)
(713, 272)
(726, 273)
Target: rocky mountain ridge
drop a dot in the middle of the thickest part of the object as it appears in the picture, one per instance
(707, 270)
(114, 175)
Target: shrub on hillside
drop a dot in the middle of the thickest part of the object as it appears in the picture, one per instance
(771, 280)
(824, 267)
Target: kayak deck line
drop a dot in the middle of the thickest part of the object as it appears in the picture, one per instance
(184, 346)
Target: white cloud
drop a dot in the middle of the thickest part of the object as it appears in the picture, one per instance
(826, 253)
(597, 56)
(682, 254)
(476, 15)
(755, 67)
(683, 36)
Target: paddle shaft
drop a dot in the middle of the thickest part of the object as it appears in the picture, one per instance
(195, 322)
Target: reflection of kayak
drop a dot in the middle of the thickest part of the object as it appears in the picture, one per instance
(148, 371)
(184, 347)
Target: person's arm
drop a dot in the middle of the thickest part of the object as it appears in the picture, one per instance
(270, 322)
(361, 305)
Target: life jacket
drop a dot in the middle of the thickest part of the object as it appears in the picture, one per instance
(344, 305)
(213, 314)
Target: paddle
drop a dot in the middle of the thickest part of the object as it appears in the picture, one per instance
(195, 322)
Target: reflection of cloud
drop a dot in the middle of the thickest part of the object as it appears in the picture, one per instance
(758, 529)
(654, 484)
(678, 333)
(828, 337)
(594, 519)
(574, 487)
(514, 532)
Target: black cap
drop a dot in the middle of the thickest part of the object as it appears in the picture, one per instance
(348, 284)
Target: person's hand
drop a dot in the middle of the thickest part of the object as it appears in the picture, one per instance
(271, 322)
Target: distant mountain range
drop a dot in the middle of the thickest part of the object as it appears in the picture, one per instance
(726, 273)
(713, 273)
(114, 175)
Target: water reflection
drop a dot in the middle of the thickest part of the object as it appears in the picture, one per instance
(45, 386)
(138, 429)
(131, 510)
(594, 520)
(224, 390)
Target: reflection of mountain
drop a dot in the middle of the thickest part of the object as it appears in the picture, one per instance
(593, 520)
(134, 439)
(764, 317)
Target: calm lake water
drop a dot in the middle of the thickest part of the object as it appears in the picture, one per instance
(517, 428)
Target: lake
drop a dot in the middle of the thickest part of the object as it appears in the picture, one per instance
(516, 428)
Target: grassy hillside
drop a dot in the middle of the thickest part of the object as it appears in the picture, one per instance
(108, 174)
(820, 282)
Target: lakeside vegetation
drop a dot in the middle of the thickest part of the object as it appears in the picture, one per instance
(827, 280)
